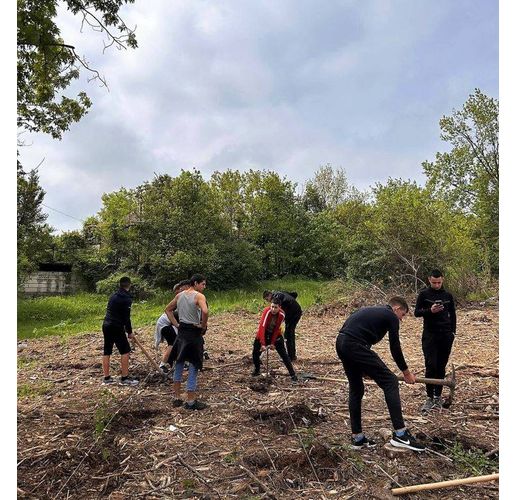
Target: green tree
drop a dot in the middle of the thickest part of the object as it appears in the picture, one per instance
(34, 238)
(418, 231)
(275, 222)
(47, 64)
(468, 175)
(327, 189)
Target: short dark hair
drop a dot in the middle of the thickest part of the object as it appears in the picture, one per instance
(125, 281)
(276, 301)
(399, 301)
(266, 294)
(181, 284)
(436, 273)
(196, 278)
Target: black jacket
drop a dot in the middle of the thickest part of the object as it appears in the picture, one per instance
(369, 325)
(441, 322)
(289, 304)
(118, 311)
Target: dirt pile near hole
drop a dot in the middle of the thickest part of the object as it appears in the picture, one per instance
(283, 421)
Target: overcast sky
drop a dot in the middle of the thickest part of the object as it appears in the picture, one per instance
(279, 85)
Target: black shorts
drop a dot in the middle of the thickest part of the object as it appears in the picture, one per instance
(115, 335)
(169, 334)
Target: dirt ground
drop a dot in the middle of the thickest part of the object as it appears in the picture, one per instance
(80, 439)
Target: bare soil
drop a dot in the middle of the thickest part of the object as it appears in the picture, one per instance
(260, 438)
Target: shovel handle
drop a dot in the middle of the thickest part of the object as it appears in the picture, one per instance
(147, 355)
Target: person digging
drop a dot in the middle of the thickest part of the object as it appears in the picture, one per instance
(362, 329)
(116, 328)
(269, 336)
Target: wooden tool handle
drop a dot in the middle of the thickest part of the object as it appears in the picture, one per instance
(433, 381)
(147, 355)
(444, 484)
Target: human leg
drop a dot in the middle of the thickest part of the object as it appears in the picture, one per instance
(280, 349)
(430, 352)
(290, 336)
(444, 348)
(256, 356)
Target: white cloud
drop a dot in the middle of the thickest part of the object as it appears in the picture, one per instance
(285, 85)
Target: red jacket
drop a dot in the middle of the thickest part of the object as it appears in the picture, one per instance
(264, 323)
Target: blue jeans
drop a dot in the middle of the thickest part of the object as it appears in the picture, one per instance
(191, 383)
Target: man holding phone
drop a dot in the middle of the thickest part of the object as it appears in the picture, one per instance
(437, 308)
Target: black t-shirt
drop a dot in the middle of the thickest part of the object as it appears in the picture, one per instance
(369, 325)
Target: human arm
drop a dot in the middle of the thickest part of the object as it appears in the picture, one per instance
(169, 311)
(200, 300)
(126, 316)
(395, 346)
(423, 306)
(453, 314)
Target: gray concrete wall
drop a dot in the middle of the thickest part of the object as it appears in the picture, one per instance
(50, 283)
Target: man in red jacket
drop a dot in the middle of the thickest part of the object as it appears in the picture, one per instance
(269, 335)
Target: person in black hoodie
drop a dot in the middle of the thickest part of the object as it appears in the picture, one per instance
(293, 312)
(437, 308)
(116, 323)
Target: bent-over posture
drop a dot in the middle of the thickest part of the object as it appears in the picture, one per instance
(360, 331)
(269, 336)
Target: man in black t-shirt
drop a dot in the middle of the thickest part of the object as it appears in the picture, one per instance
(361, 330)
(116, 323)
(437, 308)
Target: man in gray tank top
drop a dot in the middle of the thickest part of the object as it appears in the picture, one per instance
(193, 321)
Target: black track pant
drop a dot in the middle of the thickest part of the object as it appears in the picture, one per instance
(280, 348)
(359, 360)
(436, 348)
(290, 335)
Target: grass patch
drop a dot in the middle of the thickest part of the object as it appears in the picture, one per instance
(33, 390)
(472, 461)
(84, 312)
(25, 363)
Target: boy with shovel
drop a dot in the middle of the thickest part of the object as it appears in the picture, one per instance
(269, 337)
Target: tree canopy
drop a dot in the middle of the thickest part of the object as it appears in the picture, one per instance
(47, 63)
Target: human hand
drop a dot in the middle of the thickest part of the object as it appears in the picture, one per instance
(262, 348)
(409, 377)
(436, 308)
(272, 347)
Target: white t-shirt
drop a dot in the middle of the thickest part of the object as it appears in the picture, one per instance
(162, 321)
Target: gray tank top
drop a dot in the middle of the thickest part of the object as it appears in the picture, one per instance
(187, 309)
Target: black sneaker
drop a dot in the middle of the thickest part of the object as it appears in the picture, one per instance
(437, 403)
(108, 380)
(255, 373)
(363, 442)
(407, 440)
(294, 378)
(176, 403)
(206, 355)
(197, 405)
(427, 406)
(129, 381)
(163, 367)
